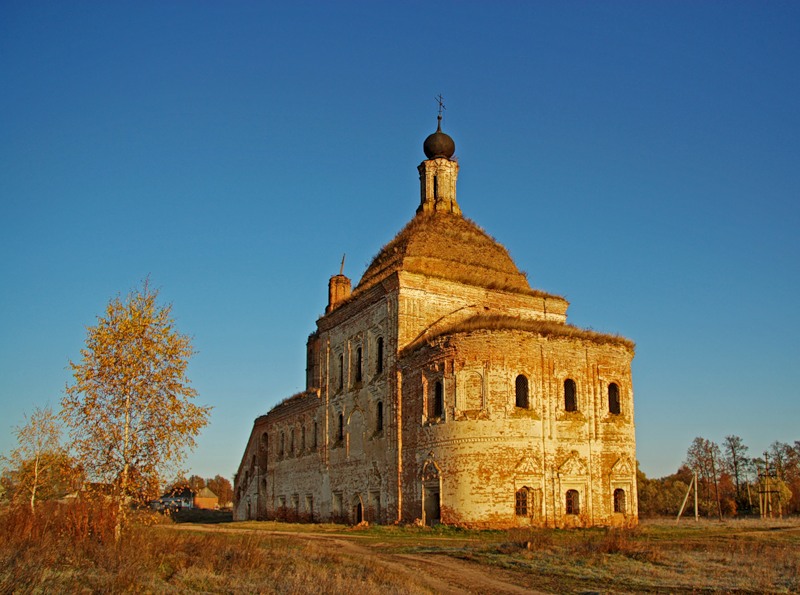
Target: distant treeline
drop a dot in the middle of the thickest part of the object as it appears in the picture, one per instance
(729, 482)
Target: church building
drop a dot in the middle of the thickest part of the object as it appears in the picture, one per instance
(444, 389)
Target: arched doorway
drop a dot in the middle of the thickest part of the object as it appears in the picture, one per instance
(358, 510)
(431, 490)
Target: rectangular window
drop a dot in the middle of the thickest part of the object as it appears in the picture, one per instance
(521, 504)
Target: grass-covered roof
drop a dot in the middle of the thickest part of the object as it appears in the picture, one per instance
(451, 247)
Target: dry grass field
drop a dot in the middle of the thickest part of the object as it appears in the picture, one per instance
(67, 549)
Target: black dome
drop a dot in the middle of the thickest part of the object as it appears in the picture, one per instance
(439, 144)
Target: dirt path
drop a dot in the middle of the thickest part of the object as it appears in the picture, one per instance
(439, 573)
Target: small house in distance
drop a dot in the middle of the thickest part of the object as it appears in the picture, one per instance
(445, 389)
(175, 499)
(184, 498)
(206, 500)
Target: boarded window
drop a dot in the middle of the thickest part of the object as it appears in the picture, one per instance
(613, 399)
(474, 389)
(521, 391)
(521, 502)
(619, 500)
(374, 511)
(570, 396)
(573, 502)
(379, 356)
(310, 506)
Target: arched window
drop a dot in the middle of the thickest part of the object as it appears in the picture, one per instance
(521, 391)
(573, 502)
(570, 398)
(613, 399)
(340, 429)
(315, 436)
(379, 417)
(379, 356)
(303, 438)
(291, 441)
(619, 500)
(341, 372)
(358, 365)
(438, 399)
(521, 502)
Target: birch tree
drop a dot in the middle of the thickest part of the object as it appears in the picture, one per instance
(130, 408)
(37, 467)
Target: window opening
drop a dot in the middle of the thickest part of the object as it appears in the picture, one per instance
(340, 433)
(613, 399)
(573, 502)
(303, 438)
(438, 399)
(291, 441)
(341, 372)
(435, 186)
(315, 435)
(379, 361)
(521, 502)
(521, 391)
(379, 420)
(570, 399)
(283, 443)
(358, 365)
(619, 500)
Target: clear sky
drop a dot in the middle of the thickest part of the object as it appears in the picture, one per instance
(641, 159)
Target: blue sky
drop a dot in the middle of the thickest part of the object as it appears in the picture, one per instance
(640, 158)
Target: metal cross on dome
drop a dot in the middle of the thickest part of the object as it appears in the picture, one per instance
(440, 101)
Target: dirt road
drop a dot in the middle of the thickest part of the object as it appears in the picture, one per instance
(436, 572)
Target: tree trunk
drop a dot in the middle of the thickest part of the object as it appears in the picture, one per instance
(123, 483)
(35, 483)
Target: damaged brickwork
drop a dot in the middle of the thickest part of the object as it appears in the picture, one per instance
(444, 389)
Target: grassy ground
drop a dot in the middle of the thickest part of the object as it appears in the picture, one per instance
(66, 550)
(741, 556)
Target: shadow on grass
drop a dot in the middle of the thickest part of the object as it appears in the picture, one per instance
(196, 515)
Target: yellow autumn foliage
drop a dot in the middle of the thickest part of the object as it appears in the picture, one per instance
(130, 407)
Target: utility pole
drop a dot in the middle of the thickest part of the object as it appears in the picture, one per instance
(693, 482)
